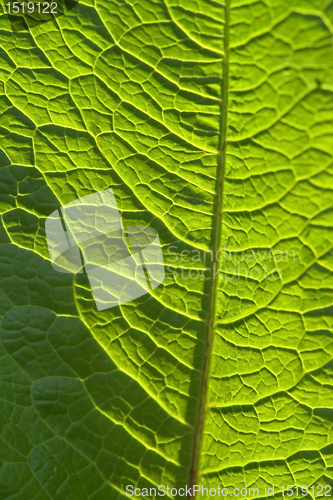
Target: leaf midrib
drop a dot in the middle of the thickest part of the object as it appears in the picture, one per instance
(218, 212)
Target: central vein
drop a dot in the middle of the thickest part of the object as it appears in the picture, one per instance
(198, 438)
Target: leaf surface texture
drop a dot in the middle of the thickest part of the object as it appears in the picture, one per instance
(212, 123)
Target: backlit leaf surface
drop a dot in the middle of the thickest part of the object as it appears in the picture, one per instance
(213, 124)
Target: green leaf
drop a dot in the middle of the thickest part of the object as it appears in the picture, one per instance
(213, 124)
